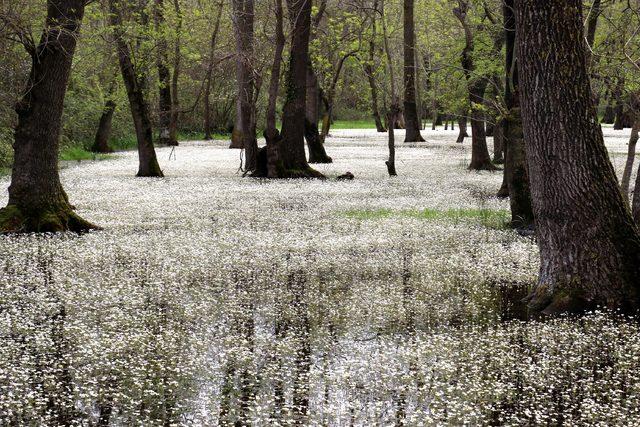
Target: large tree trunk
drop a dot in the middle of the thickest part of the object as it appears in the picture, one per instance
(480, 158)
(208, 131)
(293, 161)
(412, 122)
(243, 18)
(177, 61)
(589, 245)
(37, 201)
(164, 77)
(515, 171)
(135, 82)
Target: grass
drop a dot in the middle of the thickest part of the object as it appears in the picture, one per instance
(79, 154)
(5, 171)
(354, 124)
(490, 218)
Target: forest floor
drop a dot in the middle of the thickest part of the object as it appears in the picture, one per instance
(215, 298)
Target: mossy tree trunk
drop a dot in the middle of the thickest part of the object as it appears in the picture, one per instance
(515, 171)
(589, 245)
(412, 121)
(292, 157)
(135, 82)
(37, 201)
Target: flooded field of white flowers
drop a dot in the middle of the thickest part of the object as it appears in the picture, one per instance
(212, 299)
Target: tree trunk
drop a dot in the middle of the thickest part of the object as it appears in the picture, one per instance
(631, 155)
(207, 94)
(317, 153)
(480, 158)
(243, 19)
(101, 142)
(293, 161)
(164, 77)
(498, 144)
(515, 171)
(37, 201)
(412, 122)
(135, 82)
(368, 70)
(462, 129)
(391, 162)
(177, 60)
(589, 245)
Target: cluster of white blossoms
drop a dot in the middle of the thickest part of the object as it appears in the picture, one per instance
(215, 299)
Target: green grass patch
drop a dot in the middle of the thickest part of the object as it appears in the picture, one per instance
(354, 124)
(5, 171)
(79, 153)
(490, 218)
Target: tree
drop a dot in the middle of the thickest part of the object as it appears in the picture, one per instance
(101, 142)
(369, 69)
(589, 245)
(292, 157)
(135, 81)
(480, 158)
(515, 170)
(245, 130)
(37, 201)
(412, 121)
(167, 130)
(210, 65)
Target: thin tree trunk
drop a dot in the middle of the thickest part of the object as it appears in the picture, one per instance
(164, 76)
(175, 78)
(589, 245)
(207, 94)
(394, 107)
(480, 158)
(412, 122)
(37, 201)
(291, 150)
(368, 70)
(631, 155)
(135, 82)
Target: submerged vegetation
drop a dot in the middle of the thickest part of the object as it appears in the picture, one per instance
(318, 302)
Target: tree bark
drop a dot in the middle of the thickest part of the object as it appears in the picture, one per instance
(589, 245)
(37, 201)
(164, 77)
(293, 161)
(480, 158)
(631, 155)
(462, 129)
(412, 122)
(207, 94)
(317, 153)
(243, 19)
(101, 141)
(515, 170)
(135, 82)
(368, 70)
